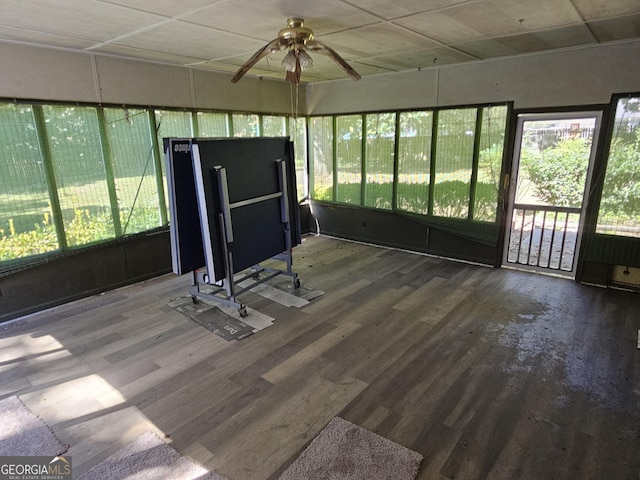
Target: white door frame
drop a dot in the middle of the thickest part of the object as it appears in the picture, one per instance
(521, 119)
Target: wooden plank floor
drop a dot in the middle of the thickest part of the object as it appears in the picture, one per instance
(488, 373)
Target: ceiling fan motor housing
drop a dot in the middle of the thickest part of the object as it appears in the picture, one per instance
(296, 33)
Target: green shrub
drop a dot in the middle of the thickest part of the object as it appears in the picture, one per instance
(558, 173)
(41, 239)
(82, 229)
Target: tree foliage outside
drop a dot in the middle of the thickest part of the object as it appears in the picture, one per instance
(621, 193)
(620, 204)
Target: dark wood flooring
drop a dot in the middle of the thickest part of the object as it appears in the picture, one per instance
(488, 373)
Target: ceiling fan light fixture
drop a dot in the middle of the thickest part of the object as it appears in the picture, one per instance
(296, 38)
(305, 60)
(289, 61)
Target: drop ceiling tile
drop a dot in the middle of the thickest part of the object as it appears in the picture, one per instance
(420, 59)
(213, 65)
(486, 48)
(537, 15)
(597, 9)
(186, 39)
(89, 19)
(170, 8)
(376, 40)
(619, 28)
(529, 42)
(44, 39)
(458, 24)
(487, 19)
(331, 71)
(570, 36)
(265, 18)
(401, 8)
(151, 55)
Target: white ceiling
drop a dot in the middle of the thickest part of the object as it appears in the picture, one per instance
(374, 36)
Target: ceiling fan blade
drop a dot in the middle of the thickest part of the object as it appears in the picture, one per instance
(271, 47)
(316, 46)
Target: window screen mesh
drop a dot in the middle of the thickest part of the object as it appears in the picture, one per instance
(245, 125)
(349, 158)
(321, 150)
(414, 161)
(273, 126)
(379, 151)
(77, 160)
(494, 122)
(213, 125)
(76, 153)
(26, 223)
(454, 161)
(173, 124)
(130, 141)
(619, 212)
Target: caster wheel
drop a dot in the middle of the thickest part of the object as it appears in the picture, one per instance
(243, 312)
(296, 283)
(194, 300)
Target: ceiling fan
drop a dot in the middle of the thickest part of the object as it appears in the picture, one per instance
(297, 39)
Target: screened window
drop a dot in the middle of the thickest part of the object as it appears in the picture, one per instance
(321, 150)
(414, 161)
(461, 181)
(134, 171)
(173, 124)
(26, 222)
(454, 161)
(213, 125)
(245, 125)
(379, 152)
(492, 136)
(274, 126)
(78, 165)
(619, 212)
(349, 158)
(72, 175)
